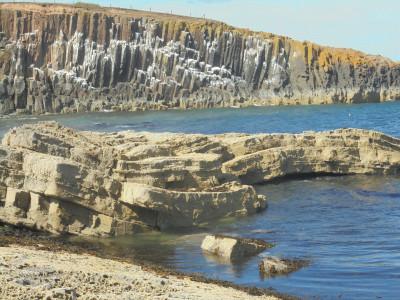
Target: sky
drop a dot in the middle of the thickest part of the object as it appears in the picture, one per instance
(372, 26)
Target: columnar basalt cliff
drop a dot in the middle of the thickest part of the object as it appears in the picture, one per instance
(61, 58)
(57, 179)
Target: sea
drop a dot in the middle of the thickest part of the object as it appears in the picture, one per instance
(347, 226)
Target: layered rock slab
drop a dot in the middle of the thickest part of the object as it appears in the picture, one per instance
(60, 180)
(265, 157)
(57, 179)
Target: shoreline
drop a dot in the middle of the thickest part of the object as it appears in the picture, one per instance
(31, 263)
(134, 107)
(139, 109)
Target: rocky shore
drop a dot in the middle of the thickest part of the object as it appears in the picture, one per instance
(73, 58)
(56, 179)
(41, 267)
(29, 273)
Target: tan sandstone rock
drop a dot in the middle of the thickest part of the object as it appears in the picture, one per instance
(57, 179)
(232, 247)
(264, 157)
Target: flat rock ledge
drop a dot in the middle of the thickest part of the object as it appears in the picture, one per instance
(233, 247)
(56, 179)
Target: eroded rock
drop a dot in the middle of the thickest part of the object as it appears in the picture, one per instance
(60, 180)
(233, 247)
(263, 157)
(274, 266)
(56, 179)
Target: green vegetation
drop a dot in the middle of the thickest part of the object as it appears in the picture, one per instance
(87, 5)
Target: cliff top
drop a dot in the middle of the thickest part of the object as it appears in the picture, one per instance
(327, 55)
(61, 8)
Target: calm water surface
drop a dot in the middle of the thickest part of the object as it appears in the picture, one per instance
(292, 119)
(349, 225)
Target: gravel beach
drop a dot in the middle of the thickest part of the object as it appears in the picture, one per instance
(29, 273)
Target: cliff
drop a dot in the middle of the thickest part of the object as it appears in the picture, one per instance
(63, 58)
(56, 179)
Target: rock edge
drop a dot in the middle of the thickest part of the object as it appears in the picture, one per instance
(56, 179)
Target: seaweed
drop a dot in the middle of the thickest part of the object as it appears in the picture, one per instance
(258, 242)
(13, 235)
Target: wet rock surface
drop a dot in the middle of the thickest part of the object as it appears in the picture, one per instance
(233, 247)
(32, 266)
(27, 273)
(275, 266)
(61, 58)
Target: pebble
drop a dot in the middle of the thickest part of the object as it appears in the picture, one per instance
(64, 275)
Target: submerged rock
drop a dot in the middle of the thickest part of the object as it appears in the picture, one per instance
(274, 266)
(56, 179)
(233, 247)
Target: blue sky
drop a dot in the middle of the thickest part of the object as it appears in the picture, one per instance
(372, 26)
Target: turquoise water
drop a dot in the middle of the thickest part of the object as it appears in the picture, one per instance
(349, 225)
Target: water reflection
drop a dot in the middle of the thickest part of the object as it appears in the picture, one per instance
(349, 225)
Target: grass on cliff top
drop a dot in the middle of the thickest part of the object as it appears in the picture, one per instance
(87, 5)
(324, 56)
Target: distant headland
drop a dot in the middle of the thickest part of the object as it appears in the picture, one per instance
(61, 58)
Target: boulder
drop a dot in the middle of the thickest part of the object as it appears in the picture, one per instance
(274, 266)
(233, 247)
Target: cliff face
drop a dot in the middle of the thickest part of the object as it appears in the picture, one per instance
(59, 58)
